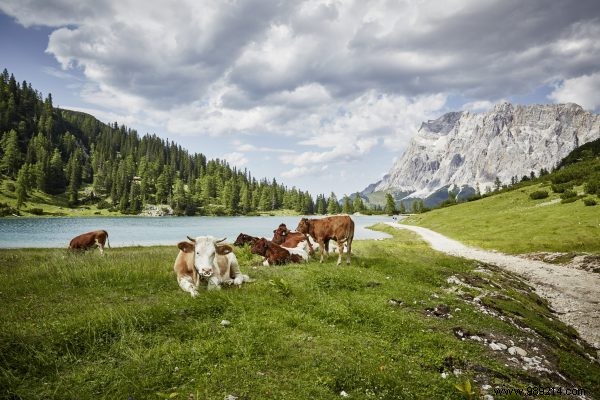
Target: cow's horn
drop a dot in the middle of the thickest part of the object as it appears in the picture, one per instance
(191, 240)
(220, 240)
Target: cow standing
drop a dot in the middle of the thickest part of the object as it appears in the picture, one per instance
(90, 239)
(206, 259)
(339, 228)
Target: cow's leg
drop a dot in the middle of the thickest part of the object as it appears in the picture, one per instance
(340, 251)
(100, 246)
(214, 283)
(322, 246)
(349, 243)
(186, 283)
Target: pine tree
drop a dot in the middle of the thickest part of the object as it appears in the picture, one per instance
(56, 182)
(347, 206)
(390, 204)
(358, 204)
(332, 205)
(11, 154)
(21, 185)
(401, 208)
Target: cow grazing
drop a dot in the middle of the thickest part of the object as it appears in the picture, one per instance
(275, 254)
(286, 238)
(90, 239)
(339, 228)
(242, 239)
(206, 259)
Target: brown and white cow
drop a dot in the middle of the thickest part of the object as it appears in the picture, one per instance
(90, 239)
(286, 238)
(206, 259)
(275, 254)
(339, 228)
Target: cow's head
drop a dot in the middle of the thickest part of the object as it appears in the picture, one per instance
(205, 249)
(303, 226)
(242, 239)
(260, 247)
(280, 234)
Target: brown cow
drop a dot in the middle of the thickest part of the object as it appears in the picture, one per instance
(90, 239)
(339, 227)
(286, 238)
(242, 239)
(274, 253)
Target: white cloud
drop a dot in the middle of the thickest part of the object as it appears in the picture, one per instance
(235, 158)
(583, 90)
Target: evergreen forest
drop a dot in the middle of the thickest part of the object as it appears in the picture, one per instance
(68, 153)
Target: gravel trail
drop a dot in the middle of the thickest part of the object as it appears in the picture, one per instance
(574, 294)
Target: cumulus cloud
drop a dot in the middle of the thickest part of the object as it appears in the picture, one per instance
(583, 90)
(235, 158)
(336, 78)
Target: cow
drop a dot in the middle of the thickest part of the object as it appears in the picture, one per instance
(339, 227)
(206, 259)
(242, 239)
(90, 239)
(275, 254)
(286, 238)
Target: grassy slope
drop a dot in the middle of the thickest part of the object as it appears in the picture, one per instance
(85, 326)
(513, 223)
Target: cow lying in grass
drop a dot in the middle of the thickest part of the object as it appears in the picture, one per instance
(205, 259)
(286, 238)
(277, 255)
(90, 239)
(242, 239)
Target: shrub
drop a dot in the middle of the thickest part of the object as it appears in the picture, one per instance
(561, 187)
(568, 194)
(10, 186)
(538, 194)
(35, 211)
(102, 204)
(589, 202)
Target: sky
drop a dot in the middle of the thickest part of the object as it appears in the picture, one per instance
(321, 95)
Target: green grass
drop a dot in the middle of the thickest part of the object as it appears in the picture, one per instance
(84, 326)
(514, 223)
(51, 205)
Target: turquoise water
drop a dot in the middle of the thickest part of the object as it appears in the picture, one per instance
(146, 231)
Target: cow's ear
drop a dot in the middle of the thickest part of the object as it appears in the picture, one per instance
(224, 249)
(186, 247)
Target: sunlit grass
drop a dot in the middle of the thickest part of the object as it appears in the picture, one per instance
(85, 326)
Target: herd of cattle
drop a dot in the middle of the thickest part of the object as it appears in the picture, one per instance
(206, 259)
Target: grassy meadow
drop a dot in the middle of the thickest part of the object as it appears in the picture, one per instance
(514, 223)
(390, 326)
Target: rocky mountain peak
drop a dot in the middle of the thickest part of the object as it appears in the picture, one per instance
(469, 149)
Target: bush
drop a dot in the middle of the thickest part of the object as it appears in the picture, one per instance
(561, 187)
(6, 210)
(35, 211)
(568, 194)
(102, 204)
(10, 186)
(589, 202)
(538, 194)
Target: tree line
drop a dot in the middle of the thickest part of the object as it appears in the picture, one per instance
(60, 151)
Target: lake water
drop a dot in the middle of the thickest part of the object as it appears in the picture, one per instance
(147, 231)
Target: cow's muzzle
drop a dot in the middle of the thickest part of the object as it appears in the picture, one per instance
(205, 272)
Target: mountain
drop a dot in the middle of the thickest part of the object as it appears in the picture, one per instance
(467, 150)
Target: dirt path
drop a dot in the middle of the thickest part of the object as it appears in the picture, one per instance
(574, 294)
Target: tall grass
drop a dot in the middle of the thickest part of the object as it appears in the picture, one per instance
(118, 327)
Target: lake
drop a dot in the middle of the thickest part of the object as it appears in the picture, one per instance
(146, 231)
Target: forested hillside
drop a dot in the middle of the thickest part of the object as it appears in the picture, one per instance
(62, 152)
